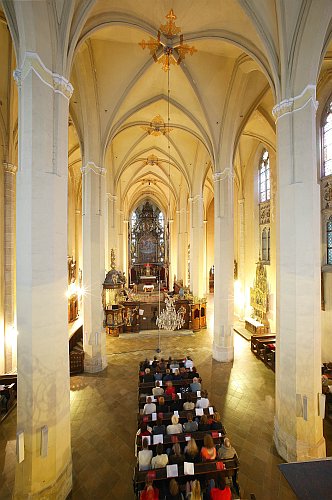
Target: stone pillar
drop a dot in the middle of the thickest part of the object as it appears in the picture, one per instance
(43, 403)
(197, 243)
(241, 262)
(182, 248)
(223, 349)
(112, 228)
(298, 432)
(94, 210)
(9, 262)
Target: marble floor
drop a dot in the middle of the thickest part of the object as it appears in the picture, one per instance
(103, 414)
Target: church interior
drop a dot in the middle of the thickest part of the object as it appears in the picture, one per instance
(166, 187)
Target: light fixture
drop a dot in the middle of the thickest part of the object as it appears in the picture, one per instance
(157, 127)
(169, 318)
(173, 51)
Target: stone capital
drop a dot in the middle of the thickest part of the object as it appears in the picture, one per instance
(296, 103)
(32, 62)
(92, 167)
(9, 168)
(226, 173)
(111, 197)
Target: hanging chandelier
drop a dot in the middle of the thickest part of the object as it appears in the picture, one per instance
(171, 52)
(169, 318)
(157, 127)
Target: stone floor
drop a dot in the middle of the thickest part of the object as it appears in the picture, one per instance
(104, 406)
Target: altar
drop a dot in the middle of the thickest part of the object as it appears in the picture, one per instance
(148, 280)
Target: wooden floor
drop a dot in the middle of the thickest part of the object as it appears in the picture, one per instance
(104, 406)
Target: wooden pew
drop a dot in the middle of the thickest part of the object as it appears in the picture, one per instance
(168, 399)
(183, 438)
(166, 417)
(202, 470)
(257, 342)
(146, 387)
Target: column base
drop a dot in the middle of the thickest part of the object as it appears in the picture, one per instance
(295, 450)
(59, 490)
(223, 354)
(94, 364)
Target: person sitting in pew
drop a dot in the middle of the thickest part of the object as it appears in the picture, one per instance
(158, 375)
(216, 424)
(189, 362)
(148, 376)
(168, 375)
(194, 372)
(170, 389)
(203, 424)
(191, 451)
(190, 425)
(159, 428)
(174, 427)
(177, 375)
(208, 451)
(161, 459)
(189, 403)
(162, 365)
(149, 407)
(144, 430)
(162, 406)
(193, 490)
(144, 456)
(183, 372)
(176, 456)
(157, 391)
(174, 492)
(203, 402)
(176, 403)
(149, 492)
(226, 450)
(218, 490)
(195, 385)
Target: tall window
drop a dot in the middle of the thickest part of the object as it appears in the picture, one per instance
(264, 177)
(327, 141)
(329, 240)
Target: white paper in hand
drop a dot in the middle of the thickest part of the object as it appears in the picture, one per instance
(176, 413)
(153, 417)
(211, 410)
(188, 468)
(198, 393)
(172, 470)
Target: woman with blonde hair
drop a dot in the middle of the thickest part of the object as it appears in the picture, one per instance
(191, 451)
(174, 427)
(193, 490)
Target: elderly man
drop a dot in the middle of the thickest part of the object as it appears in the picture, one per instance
(149, 407)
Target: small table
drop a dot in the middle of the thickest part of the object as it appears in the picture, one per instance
(148, 288)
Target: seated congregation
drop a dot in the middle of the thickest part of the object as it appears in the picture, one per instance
(181, 445)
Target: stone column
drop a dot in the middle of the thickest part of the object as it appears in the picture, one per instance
(94, 209)
(298, 430)
(43, 404)
(197, 243)
(9, 262)
(241, 263)
(223, 349)
(112, 228)
(182, 248)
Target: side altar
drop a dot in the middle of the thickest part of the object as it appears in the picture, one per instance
(258, 323)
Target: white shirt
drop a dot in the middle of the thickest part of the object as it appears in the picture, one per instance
(157, 391)
(202, 403)
(144, 459)
(174, 429)
(159, 461)
(149, 408)
(189, 363)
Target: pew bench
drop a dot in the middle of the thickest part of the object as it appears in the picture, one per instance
(166, 417)
(202, 471)
(257, 342)
(183, 438)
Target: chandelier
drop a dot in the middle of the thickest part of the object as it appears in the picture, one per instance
(171, 52)
(169, 318)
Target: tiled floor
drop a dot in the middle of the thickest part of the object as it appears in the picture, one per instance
(104, 406)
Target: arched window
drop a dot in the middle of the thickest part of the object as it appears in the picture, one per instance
(327, 141)
(264, 177)
(265, 250)
(329, 240)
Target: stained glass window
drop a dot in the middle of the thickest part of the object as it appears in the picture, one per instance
(329, 241)
(264, 177)
(327, 141)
